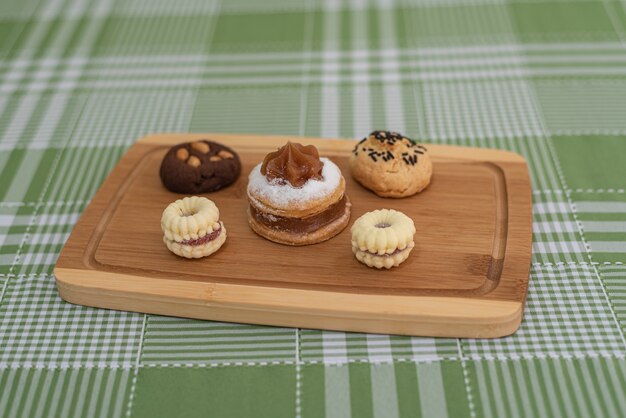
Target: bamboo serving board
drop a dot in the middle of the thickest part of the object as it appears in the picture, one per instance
(466, 277)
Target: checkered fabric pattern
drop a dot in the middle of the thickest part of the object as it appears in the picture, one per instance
(80, 80)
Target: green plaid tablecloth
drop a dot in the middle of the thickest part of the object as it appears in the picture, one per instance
(80, 80)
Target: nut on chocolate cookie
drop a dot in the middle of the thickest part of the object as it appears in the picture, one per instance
(199, 167)
(391, 165)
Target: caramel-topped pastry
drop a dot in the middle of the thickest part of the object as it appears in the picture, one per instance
(293, 162)
(296, 197)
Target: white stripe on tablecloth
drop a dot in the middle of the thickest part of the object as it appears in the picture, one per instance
(53, 406)
(7, 220)
(601, 207)
(616, 383)
(107, 395)
(384, 391)
(510, 390)
(6, 395)
(336, 378)
(360, 78)
(535, 379)
(551, 207)
(119, 404)
(604, 226)
(570, 397)
(384, 398)
(334, 348)
(82, 395)
(482, 52)
(554, 227)
(534, 392)
(42, 400)
(378, 348)
(598, 375)
(431, 390)
(608, 246)
(21, 386)
(215, 355)
(337, 391)
(558, 247)
(175, 67)
(493, 379)
(423, 348)
(68, 398)
(483, 389)
(7, 259)
(33, 389)
(96, 390)
(394, 102)
(361, 100)
(330, 91)
(210, 340)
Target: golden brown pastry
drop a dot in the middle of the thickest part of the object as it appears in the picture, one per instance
(391, 165)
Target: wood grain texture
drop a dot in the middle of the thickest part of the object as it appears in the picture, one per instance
(466, 277)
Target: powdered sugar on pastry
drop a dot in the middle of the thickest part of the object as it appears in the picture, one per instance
(283, 194)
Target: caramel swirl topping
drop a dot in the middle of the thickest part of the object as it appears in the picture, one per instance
(294, 163)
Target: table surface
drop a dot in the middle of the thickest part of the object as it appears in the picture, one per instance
(81, 80)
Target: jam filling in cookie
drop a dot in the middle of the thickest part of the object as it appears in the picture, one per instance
(203, 240)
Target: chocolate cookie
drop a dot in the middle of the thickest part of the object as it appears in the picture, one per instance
(199, 167)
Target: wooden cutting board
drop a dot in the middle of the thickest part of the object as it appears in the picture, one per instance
(466, 277)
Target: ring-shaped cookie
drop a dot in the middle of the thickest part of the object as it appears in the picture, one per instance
(191, 227)
(190, 218)
(383, 238)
